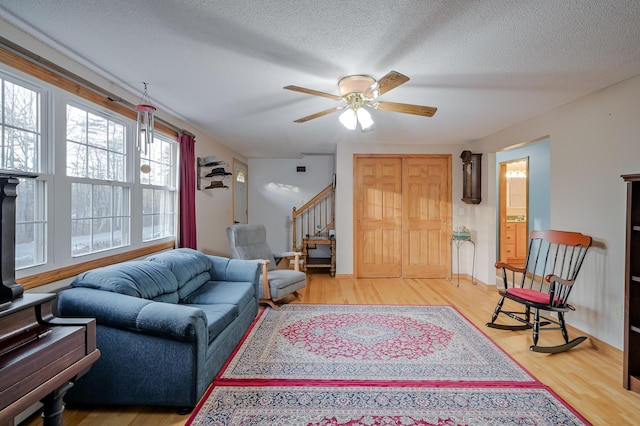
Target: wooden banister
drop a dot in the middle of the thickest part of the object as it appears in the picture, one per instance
(315, 217)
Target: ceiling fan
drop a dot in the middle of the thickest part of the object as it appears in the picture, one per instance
(359, 91)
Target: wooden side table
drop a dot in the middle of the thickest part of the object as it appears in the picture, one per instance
(319, 262)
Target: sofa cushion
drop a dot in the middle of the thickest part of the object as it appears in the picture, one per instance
(190, 267)
(219, 317)
(147, 280)
(234, 293)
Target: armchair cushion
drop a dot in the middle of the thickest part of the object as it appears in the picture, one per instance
(250, 242)
(283, 282)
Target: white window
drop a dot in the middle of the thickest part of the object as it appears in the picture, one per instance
(95, 146)
(89, 177)
(21, 138)
(100, 204)
(158, 176)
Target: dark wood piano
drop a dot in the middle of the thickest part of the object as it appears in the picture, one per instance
(41, 355)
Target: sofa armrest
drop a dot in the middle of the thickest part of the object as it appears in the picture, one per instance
(172, 321)
(225, 269)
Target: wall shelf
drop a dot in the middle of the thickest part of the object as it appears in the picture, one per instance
(211, 170)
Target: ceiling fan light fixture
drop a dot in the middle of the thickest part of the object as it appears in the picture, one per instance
(349, 119)
(360, 91)
(364, 118)
(355, 84)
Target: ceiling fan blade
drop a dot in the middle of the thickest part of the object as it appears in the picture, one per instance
(426, 111)
(390, 81)
(313, 92)
(319, 114)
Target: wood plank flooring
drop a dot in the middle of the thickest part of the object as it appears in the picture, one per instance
(589, 377)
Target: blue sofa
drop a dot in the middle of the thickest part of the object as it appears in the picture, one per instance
(165, 325)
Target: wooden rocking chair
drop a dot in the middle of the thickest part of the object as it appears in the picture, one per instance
(544, 283)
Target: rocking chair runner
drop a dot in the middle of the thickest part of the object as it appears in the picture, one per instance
(544, 283)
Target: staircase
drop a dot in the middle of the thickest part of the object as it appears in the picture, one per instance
(313, 226)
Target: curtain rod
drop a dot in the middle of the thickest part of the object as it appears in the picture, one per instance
(50, 66)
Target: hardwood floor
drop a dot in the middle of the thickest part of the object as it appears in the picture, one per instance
(588, 377)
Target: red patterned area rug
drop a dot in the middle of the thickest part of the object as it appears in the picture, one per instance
(349, 365)
(426, 344)
(389, 406)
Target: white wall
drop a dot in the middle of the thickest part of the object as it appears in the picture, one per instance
(214, 207)
(275, 187)
(593, 141)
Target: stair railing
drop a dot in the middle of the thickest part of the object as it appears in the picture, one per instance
(315, 218)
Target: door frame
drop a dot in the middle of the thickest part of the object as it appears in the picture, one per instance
(502, 202)
(233, 190)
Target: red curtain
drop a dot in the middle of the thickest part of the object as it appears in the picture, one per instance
(187, 190)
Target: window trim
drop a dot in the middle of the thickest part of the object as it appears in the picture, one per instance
(56, 90)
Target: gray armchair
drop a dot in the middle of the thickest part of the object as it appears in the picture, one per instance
(249, 242)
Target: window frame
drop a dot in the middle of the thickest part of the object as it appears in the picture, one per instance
(56, 90)
(42, 166)
(167, 190)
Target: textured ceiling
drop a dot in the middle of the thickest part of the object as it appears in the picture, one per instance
(221, 65)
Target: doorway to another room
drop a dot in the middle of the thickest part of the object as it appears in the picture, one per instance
(529, 167)
(514, 210)
(240, 196)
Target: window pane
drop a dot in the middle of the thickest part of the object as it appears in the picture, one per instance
(102, 238)
(101, 201)
(80, 236)
(97, 163)
(30, 237)
(21, 107)
(116, 169)
(19, 127)
(101, 217)
(80, 201)
(76, 125)
(21, 150)
(158, 214)
(120, 231)
(76, 159)
(147, 227)
(116, 137)
(161, 158)
(97, 130)
(95, 146)
(158, 203)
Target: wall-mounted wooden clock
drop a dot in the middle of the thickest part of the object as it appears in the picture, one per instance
(471, 173)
